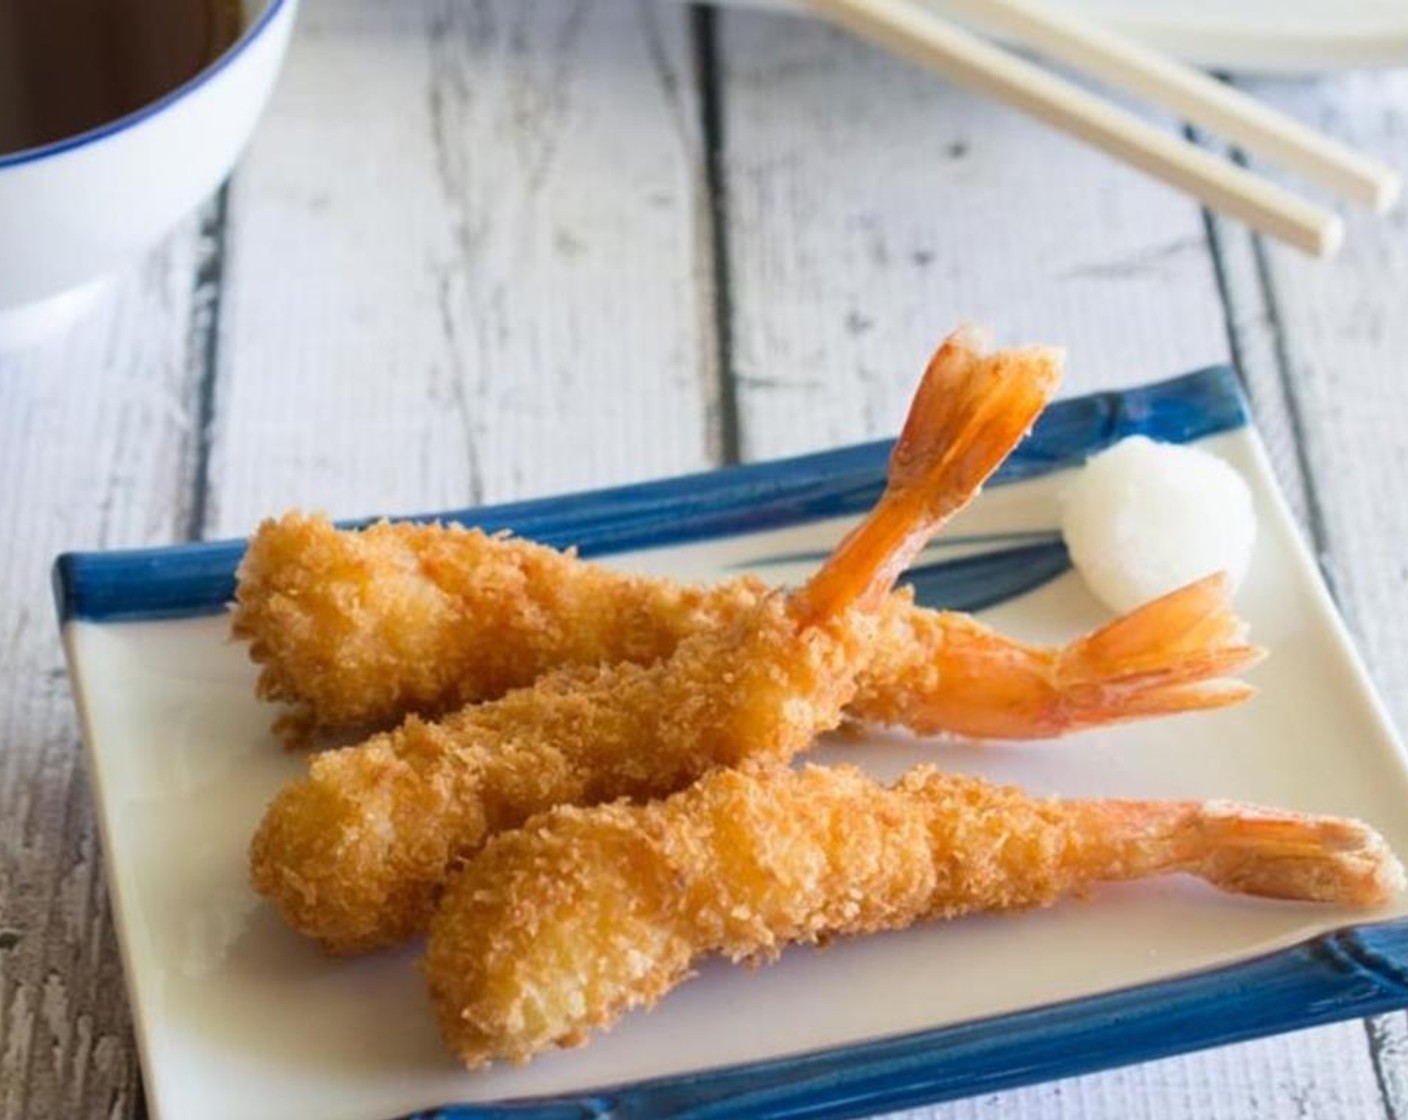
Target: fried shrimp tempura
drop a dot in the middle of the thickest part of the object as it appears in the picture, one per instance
(560, 927)
(363, 628)
(355, 854)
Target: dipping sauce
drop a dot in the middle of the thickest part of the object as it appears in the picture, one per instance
(67, 66)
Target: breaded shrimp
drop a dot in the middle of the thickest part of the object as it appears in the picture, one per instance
(360, 629)
(562, 926)
(355, 854)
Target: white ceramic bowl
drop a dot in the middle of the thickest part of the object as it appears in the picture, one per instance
(75, 211)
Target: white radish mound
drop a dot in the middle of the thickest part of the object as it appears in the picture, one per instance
(1144, 518)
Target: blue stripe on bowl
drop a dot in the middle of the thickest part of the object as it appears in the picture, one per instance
(1339, 975)
(151, 108)
(199, 578)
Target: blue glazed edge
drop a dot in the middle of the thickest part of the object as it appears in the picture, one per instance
(1361, 970)
(151, 108)
(193, 579)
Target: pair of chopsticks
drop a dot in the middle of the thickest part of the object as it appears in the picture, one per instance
(910, 29)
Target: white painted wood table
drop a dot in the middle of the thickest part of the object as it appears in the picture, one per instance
(488, 250)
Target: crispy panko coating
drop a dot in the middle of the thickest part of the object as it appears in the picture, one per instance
(364, 628)
(562, 926)
(355, 854)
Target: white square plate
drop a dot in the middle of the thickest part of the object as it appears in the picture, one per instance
(238, 1017)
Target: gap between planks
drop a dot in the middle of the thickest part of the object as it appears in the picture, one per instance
(1317, 339)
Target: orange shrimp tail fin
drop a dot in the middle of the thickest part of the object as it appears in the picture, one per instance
(1174, 654)
(970, 410)
(1277, 854)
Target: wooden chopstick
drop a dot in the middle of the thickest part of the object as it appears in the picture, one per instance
(1127, 64)
(905, 28)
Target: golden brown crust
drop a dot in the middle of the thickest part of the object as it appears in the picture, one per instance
(564, 925)
(363, 628)
(354, 854)
(560, 927)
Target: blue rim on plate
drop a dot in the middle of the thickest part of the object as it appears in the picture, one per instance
(1354, 971)
(151, 108)
(1361, 970)
(185, 580)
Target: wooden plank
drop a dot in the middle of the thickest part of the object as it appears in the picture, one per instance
(1340, 334)
(303, 337)
(501, 206)
(1337, 334)
(468, 241)
(871, 207)
(98, 440)
(1253, 340)
(853, 245)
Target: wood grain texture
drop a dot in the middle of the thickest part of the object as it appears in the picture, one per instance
(1254, 343)
(871, 207)
(1341, 334)
(1331, 346)
(98, 440)
(471, 256)
(467, 242)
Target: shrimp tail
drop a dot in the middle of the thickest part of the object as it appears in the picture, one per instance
(1174, 654)
(947, 673)
(1289, 855)
(970, 410)
(1242, 849)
